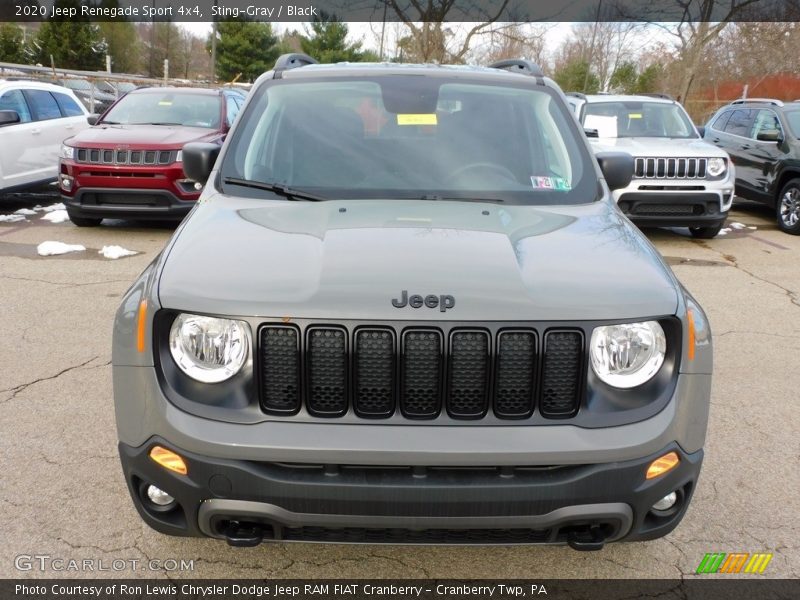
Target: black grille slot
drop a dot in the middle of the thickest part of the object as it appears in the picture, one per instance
(164, 157)
(280, 370)
(327, 371)
(136, 157)
(561, 373)
(150, 157)
(515, 375)
(421, 374)
(468, 381)
(374, 372)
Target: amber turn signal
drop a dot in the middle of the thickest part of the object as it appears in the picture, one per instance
(141, 323)
(662, 464)
(168, 459)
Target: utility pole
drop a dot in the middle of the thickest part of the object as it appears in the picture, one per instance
(213, 77)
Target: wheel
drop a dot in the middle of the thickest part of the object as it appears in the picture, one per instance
(85, 221)
(705, 233)
(788, 207)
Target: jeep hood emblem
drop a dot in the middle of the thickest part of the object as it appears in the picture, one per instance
(443, 301)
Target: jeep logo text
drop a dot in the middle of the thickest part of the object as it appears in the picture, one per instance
(444, 301)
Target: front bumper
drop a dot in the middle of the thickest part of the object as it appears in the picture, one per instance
(580, 504)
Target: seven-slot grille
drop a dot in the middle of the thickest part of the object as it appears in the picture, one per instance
(670, 168)
(420, 372)
(108, 156)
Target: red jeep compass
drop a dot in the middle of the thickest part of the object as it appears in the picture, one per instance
(129, 165)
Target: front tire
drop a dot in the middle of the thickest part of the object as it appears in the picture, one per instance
(705, 233)
(787, 209)
(85, 221)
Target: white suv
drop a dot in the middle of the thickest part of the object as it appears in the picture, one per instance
(34, 119)
(680, 180)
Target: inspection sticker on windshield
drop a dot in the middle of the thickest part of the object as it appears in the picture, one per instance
(550, 183)
(417, 119)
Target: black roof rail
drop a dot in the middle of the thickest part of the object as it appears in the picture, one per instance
(657, 95)
(580, 95)
(519, 65)
(291, 61)
(771, 101)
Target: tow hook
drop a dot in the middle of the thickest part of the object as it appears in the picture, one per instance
(243, 535)
(587, 540)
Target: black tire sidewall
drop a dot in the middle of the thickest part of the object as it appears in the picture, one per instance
(792, 183)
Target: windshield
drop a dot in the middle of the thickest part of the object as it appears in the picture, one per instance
(77, 84)
(166, 108)
(638, 119)
(402, 136)
(793, 116)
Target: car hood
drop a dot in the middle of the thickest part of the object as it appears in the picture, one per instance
(650, 146)
(169, 137)
(350, 259)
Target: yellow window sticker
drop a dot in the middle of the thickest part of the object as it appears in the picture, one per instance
(417, 119)
(165, 102)
(634, 115)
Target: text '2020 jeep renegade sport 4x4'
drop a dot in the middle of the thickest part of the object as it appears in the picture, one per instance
(406, 309)
(680, 180)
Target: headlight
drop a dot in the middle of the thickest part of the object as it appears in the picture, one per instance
(67, 151)
(715, 167)
(209, 349)
(629, 354)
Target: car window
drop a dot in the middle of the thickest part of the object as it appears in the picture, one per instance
(722, 120)
(401, 137)
(793, 117)
(167, 108)
(43, 106)
(232, 109)
(14, 100)
(637, 118)
(765, 121)
(740, 122)
(69, 108)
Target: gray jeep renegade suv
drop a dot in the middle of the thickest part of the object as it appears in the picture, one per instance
(406, 309)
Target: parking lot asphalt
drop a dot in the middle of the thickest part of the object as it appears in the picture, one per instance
(62, 494)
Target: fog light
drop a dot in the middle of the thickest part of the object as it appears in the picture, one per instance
(161, 498)
(66, 183)
(665, 503)
(198, 186)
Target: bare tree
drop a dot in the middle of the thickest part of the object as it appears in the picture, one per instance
(514, 40)
(430, 38)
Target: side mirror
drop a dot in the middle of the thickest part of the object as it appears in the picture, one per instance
(199, 159)
(617, 168)
(92, 119)
(8, 117)
(702, 131)
(771, 135)
(591, 133)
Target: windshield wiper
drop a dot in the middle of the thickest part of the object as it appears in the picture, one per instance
(276, 188)
(172, 124)
(460, 198)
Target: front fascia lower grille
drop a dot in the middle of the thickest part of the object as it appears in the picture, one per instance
(398, 371)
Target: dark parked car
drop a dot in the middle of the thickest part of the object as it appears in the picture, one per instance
(130, 164)
(761, 137)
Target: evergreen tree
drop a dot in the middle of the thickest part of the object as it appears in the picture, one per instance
(245, 49)
(72, 44)
(327, 42)
(12, 48)
(576, 76)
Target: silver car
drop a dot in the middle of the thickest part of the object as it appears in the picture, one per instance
(406, 309)
(680, 180)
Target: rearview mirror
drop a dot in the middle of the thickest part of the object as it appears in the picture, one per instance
(92, 119)
(591, 133)
(771, 135)
(617, 168)
(8, 117)
(199, 159)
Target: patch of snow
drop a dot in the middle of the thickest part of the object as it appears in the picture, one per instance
(56, 216)
(752, 227)
(51, 248)
(738, 225)
(52, 207)
(24, 211)
(114, 252)
(12, 218)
